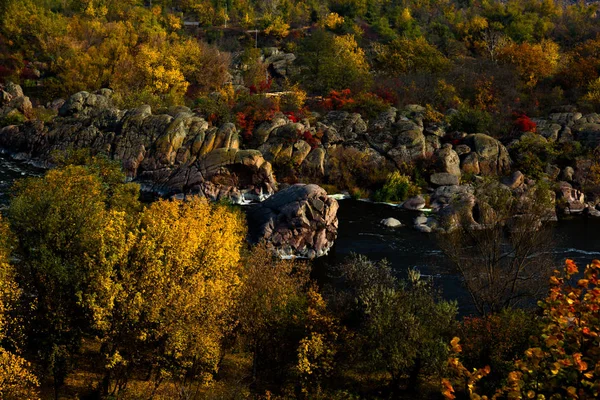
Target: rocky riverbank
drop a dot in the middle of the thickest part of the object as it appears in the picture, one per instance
(177, 151)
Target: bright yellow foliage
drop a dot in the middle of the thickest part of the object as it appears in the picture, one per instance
(278, 27)
(593, 94)
(405, 55)
(16, 380)
(532, 61)
(333, 21)
(177, 289)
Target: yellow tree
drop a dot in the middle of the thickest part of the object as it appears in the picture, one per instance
(404, 56)
(68, 242)
(532, 61)
(333, 62)
(178, 287)
(16, 379)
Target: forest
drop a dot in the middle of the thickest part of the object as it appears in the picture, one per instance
(104, 295)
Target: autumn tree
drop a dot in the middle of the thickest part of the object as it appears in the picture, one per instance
(561, 362)
(328, 61)
(533, 62)
(68, 242)
(16, 378)
(176, 293)
(404, 56)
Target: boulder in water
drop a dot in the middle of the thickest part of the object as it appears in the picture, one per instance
(391, 223)
(299, 221)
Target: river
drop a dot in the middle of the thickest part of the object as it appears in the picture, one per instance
(359, 231)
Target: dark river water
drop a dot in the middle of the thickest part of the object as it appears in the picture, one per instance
(359, 231)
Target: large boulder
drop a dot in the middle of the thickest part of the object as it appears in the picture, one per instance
(85, 103)
(572, 200)
(588, 134)
(492, 155)
(13, 102)
(448, 160)
(300, 221)
(444, 179)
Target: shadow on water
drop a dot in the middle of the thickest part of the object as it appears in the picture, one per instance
(10, 171)
(359, 231)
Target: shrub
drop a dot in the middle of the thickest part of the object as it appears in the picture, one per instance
(253, 110)
(350, 168)
(293, 100)
(396, 188)
(470, 120)
(562, 361)
(369, 105)
(531, 154)
(337, 100)
(496, 340)
(12, 118)
(523, 123)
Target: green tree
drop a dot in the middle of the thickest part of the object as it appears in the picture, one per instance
(402, 327)
(271, 312)
(330, 62)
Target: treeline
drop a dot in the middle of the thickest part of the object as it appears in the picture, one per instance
(489, 59)
(105, 297)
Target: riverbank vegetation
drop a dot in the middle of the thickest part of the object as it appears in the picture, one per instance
(105, 297)
(484, 58)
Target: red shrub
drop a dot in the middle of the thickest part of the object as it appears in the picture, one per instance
(253, 111)
(337, 100)
(310, 139)
(524, 124)
(292, 116)
(262, 87)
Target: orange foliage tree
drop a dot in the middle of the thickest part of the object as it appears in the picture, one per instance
(564, 361)
(532, 61)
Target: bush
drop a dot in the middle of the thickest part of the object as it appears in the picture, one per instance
(396, 188)
(524, 124)
(532, 153)
(496, 340)
(351, 168)
(12, 118)
(470, 120)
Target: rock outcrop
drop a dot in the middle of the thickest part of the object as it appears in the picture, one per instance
(300, 221)
(176, 152)
(492, 156)
(13, 103)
